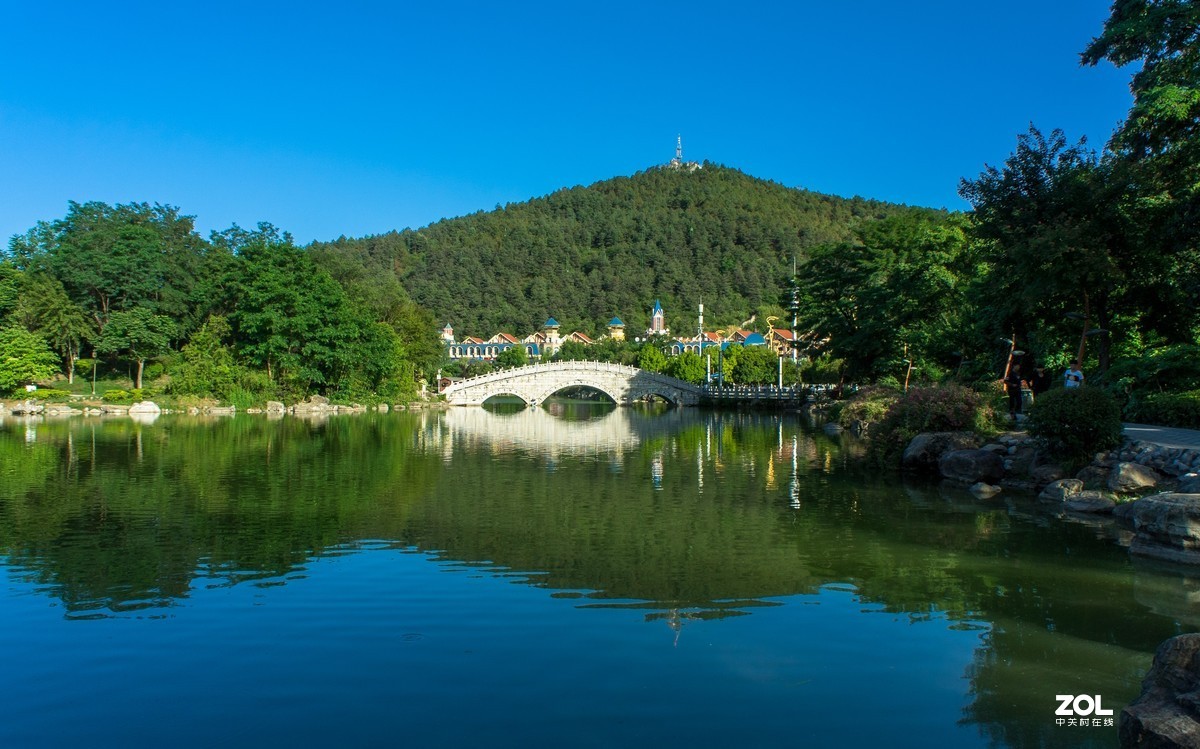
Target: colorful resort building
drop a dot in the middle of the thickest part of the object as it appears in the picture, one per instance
(544, 343)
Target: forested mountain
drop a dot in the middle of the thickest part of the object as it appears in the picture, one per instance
(585, 254)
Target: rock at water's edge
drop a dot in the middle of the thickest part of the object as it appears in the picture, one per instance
(925, 450)
(971, 466)
(1130, 478)
(1166, 526)
(1165, 716)
(145, 407)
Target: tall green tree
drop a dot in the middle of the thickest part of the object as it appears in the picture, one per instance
(293, 320)
(114, 258)
(1054, 237)
(45, 308)
(139, 332)
(904, 281)
(1156, 153)
(207, 368)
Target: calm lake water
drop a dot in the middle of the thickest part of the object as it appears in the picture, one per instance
(569, 576)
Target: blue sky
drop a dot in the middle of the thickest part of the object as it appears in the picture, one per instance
(358, 118)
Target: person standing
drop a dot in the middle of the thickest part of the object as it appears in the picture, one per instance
(1073, 377)
(1040, 381)
(1012, 386)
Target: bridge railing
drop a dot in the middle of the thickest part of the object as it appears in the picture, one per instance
(594, 366)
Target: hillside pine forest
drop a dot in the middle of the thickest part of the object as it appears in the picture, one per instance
(1063, 240)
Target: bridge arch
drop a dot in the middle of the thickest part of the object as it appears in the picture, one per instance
(576, 383)
(537, 382)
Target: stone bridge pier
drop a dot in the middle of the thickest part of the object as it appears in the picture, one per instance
(537, 382)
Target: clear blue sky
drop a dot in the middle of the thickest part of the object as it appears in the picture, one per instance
(357, 118)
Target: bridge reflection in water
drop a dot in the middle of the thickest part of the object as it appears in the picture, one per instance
(614, 433)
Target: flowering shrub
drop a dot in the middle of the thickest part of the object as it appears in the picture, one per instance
(939, 408)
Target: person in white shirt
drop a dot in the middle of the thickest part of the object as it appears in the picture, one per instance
(1073, 377)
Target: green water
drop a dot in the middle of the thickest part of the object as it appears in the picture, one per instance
(577, 575)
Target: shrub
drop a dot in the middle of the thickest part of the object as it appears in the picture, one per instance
(45, 394)
(117, 396)
(868, 405)
(1167, 409)
(941, 408)
(1074, 423)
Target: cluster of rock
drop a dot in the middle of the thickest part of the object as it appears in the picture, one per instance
(1167, 714)
(1152, 488)
(316, 405)
(1014, 461)
(37, 408)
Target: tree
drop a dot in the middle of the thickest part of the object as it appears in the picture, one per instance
(140, 332)
(208, 368)
(10, 284)
(24, 358)
(45, 308)
(417, 332)
(688, 366)
(114, 258)
(1162, 130)
(513, 356)
(756, 365)
(903, 281)
(572, 351)
(1156, 152)
(650, 358)
(1053, 236)
(291, 318)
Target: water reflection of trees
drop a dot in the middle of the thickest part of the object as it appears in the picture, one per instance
(685, 514)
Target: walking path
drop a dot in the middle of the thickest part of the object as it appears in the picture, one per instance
(1165, 436)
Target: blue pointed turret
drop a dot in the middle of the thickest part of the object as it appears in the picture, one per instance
(552, 323)
(616, 323)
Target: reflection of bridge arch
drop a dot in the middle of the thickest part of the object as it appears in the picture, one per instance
(539, 432)
(535, 383)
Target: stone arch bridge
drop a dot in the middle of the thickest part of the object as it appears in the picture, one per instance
(537, 382)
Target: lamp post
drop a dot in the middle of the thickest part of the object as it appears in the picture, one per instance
(1086, 334)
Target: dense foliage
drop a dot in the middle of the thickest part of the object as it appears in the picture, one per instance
(1073, 423)
(946, 408)
(585, 254)
(242, 317)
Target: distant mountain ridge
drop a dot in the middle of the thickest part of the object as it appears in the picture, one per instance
(585, 254)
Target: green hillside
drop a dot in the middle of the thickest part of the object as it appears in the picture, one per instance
(585, 254)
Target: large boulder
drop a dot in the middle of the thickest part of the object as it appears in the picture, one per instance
(1094, 476)
(971, 466)
(1132, 478)
(275, 407)
(145, 407)
(925, 450)
(1166, 526)
(1061, 490)
(1167, 714)
(314, 404)
(1047, 474)
(1100, 503)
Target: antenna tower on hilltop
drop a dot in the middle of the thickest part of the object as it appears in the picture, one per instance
(678, 162)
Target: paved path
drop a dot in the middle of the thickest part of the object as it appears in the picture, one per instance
(1165, 436)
